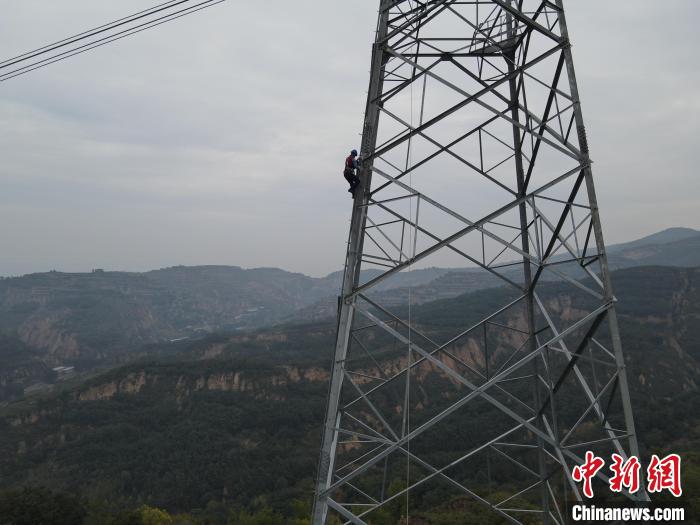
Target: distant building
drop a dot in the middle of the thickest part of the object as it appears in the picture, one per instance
(63, 371)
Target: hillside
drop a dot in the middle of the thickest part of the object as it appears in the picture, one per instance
(672, 247)
(236, 417)
(83, 317)
(676, 247)
(100, 317)
(667, 236)
(21, 365)
(103, 318)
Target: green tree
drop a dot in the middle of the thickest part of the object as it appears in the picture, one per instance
(154, 516)
(301, 512)
(30, 506)
(263, 516)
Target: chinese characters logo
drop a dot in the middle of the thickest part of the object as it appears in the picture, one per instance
(662, 474)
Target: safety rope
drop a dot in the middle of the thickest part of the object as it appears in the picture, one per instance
(408, 166)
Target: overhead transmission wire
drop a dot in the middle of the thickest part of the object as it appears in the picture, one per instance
(103, 41)
(93, 31)
(100, 41)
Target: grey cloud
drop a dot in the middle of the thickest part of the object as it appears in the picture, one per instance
(218, 138)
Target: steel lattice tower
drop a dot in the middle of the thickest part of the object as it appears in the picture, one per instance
(474, 153)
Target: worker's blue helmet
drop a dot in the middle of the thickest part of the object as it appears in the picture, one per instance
(353, 152)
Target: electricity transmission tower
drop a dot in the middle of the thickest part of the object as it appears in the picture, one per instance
(474, 154)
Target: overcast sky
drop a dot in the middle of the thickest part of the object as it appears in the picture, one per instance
(219, 138)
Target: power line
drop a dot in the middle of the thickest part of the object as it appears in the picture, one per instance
(110, 38)
(24, 56)
(101, 41)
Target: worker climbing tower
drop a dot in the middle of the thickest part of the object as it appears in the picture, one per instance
(473, 156)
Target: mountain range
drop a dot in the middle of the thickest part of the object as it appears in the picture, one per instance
(202, 389)
(102, 318)
(234, 419)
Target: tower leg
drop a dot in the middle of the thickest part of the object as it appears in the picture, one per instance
(600, 244)
(351, 275)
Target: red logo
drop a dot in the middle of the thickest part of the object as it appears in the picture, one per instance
(665, 474)
(662, 474)
(586, 471)
(625, 474)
